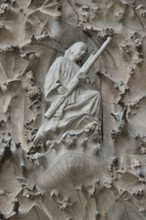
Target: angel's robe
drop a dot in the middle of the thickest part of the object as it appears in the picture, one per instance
(79, 109)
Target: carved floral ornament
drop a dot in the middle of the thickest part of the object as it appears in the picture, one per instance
(72, 131)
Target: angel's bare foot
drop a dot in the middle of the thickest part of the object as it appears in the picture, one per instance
(36, 140)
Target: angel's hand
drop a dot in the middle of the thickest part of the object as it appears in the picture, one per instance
(81, 75)
(62, 90)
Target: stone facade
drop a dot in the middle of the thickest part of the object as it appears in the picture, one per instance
(72, 138)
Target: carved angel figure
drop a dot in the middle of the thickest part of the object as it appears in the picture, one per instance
(80, 108)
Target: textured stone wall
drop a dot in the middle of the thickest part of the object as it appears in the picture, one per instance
(104, 180)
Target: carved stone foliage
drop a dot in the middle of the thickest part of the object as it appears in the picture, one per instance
(89, 164)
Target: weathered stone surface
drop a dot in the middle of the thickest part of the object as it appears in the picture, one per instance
(87, 159)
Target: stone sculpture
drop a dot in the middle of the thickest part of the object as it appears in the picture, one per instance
(80, 108)
(85, 167)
